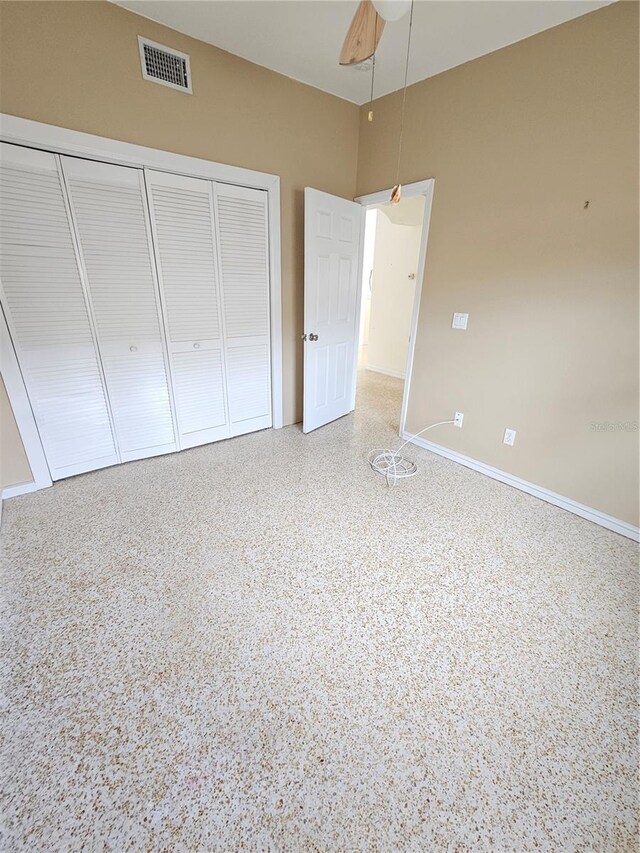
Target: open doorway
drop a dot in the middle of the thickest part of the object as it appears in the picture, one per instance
(393, 253)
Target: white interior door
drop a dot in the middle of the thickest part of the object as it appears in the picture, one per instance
(47, 315)
(109, 209)
(331, 254)
(184, 234)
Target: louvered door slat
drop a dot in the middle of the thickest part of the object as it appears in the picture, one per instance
(183, 229)
(108, 207)
(244, 262)
(48, 316)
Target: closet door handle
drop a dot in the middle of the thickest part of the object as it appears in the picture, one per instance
(196, 346)
(133, 349)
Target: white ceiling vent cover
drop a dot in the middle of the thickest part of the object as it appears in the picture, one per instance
(164, 65)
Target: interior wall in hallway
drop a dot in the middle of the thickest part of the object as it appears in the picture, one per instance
(534, 233)
(371, 217)
(392, 292)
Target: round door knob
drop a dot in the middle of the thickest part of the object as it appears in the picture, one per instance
(196, 346)
(133, 349)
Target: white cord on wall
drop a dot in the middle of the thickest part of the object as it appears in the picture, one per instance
(392, 465)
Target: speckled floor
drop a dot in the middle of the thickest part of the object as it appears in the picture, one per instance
(256, 645)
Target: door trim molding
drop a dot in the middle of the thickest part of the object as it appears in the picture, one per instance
(61, 140)
(25, 421)
(594, 515)
(426, 189)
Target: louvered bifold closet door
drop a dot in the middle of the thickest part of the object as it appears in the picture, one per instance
(47, 315)
(242, 221)
(184, 236)
(108, 206)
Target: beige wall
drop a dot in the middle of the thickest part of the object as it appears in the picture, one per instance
(395, 258)
(77, 65)
(14, 467)
(517, 141)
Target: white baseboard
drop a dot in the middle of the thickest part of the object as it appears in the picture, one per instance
(615, 524)
(20, 489)
(394, 373)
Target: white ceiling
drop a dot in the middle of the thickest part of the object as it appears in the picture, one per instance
(302, 38)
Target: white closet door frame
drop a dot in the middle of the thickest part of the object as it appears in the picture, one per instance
(23, 414)
(61, 140)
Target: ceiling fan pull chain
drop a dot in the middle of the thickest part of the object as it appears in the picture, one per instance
(397, 190)
(373, 71)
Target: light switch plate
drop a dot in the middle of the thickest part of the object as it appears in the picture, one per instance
(509, 437)
(460, 321)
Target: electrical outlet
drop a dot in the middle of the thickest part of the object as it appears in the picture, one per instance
(509, 437)
(457, 419)
(460, 321)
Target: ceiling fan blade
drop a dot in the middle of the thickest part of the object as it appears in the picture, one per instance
(363, 35)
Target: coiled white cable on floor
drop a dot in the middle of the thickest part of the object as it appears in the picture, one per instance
(394, 466)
